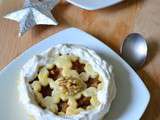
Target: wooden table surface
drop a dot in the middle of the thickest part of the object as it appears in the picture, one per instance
(110, 25)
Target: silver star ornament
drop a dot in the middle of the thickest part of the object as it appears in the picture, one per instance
(34, 12)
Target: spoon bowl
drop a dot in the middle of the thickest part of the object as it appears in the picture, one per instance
(134, 50)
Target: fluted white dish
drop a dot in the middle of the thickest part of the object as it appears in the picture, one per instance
(132, 95)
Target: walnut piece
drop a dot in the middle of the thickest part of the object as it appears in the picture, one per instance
(71, 86)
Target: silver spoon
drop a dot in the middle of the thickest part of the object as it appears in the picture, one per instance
(134, 50)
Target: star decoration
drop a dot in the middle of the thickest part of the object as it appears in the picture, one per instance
(34, 12)
(93, 82)
(79, 67)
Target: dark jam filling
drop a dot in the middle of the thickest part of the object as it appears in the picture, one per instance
(54, 73)
(92, 82)
(79, 67)
(62, 106)
(83, 102)
(46, 91)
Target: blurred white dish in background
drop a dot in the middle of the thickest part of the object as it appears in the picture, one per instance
(93, 4)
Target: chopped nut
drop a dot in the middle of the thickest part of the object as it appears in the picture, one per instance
(71, 86)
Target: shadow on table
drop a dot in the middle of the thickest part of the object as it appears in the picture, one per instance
(153, 110)
(58, 13)
(153, 48)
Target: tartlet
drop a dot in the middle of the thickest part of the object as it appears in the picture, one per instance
(67, 82)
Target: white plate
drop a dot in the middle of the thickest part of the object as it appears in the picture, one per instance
(93, 4)
(132, 95)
